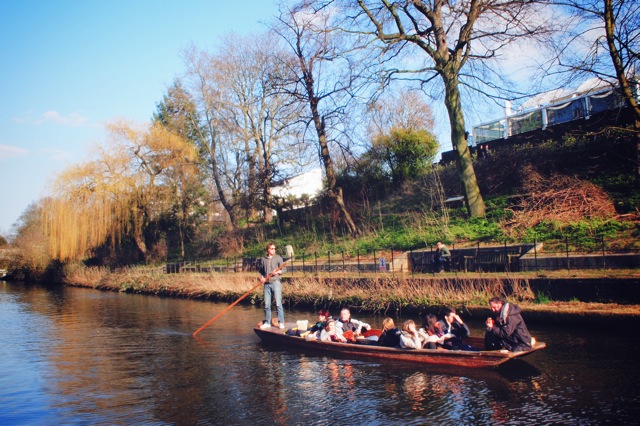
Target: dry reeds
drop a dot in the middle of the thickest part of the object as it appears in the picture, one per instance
(372, 294)
(382, 294)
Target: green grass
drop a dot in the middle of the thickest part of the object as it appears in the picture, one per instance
(402, 217)
(542, 298)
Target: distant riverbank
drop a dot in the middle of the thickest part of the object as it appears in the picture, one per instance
(389, 295)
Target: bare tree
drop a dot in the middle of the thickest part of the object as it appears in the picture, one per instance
(405, 109)
(259, 115)
(431, 41)
(322, 77)
(603, 41)
(246, 133)
(223, 159)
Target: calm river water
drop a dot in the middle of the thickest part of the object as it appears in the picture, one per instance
(80, 356)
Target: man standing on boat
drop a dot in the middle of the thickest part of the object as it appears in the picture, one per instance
(506, 329)
(272, 263)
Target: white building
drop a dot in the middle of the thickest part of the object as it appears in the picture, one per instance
(309, 183)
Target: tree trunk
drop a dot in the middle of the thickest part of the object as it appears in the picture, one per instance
(266, 190)
(138, 230)
(218, 182)
(473, 198)
(253, 179)
(334, 192)
(625, 87)
(225, 203)
(182, 227)
(268, 214)
(637, 129)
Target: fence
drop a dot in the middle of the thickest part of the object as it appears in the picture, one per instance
(491, 256)
(566, 257)
(533, 256)
(374, 261)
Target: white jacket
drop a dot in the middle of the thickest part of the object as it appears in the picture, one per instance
(410, 341)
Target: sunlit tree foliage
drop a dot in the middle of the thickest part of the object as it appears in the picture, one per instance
(117, 194)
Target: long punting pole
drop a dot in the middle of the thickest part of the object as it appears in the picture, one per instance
(208, 323)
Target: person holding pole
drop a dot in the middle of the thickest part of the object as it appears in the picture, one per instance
(272, 265)
(263, 279)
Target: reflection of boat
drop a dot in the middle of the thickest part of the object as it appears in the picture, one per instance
(472, 359)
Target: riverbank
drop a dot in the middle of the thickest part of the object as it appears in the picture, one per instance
(386, 294)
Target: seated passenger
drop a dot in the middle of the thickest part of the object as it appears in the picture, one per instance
(323, 317)
(434, 335)
(348, 324)
(506, 328)
(409, 337)
(390, 336)
(331, 333)
(454, 330)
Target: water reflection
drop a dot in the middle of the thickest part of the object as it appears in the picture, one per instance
(78, 356)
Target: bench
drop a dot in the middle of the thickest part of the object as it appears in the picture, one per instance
(493, 261)
(422, 262)
(496, 260)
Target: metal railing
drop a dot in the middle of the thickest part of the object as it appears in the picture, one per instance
(485, 256)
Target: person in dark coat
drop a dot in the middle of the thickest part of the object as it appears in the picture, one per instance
(506, 328)
(454, 329)
(314, 330)
(390, 335)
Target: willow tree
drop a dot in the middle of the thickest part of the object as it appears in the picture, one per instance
(89, 206)
(115, 195)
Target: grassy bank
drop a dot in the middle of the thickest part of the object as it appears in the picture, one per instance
(376, 294)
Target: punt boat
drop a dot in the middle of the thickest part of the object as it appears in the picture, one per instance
(367, 349)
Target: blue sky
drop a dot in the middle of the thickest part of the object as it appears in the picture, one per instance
(68, 67)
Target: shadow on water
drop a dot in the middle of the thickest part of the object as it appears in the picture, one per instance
(518, 369)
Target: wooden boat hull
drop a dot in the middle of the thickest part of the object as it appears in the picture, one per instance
(470, 359)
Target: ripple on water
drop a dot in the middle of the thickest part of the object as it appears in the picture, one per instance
(77, 356)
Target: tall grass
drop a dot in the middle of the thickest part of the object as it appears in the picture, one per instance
(371, 294)
(399, 293)
(155, 281)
